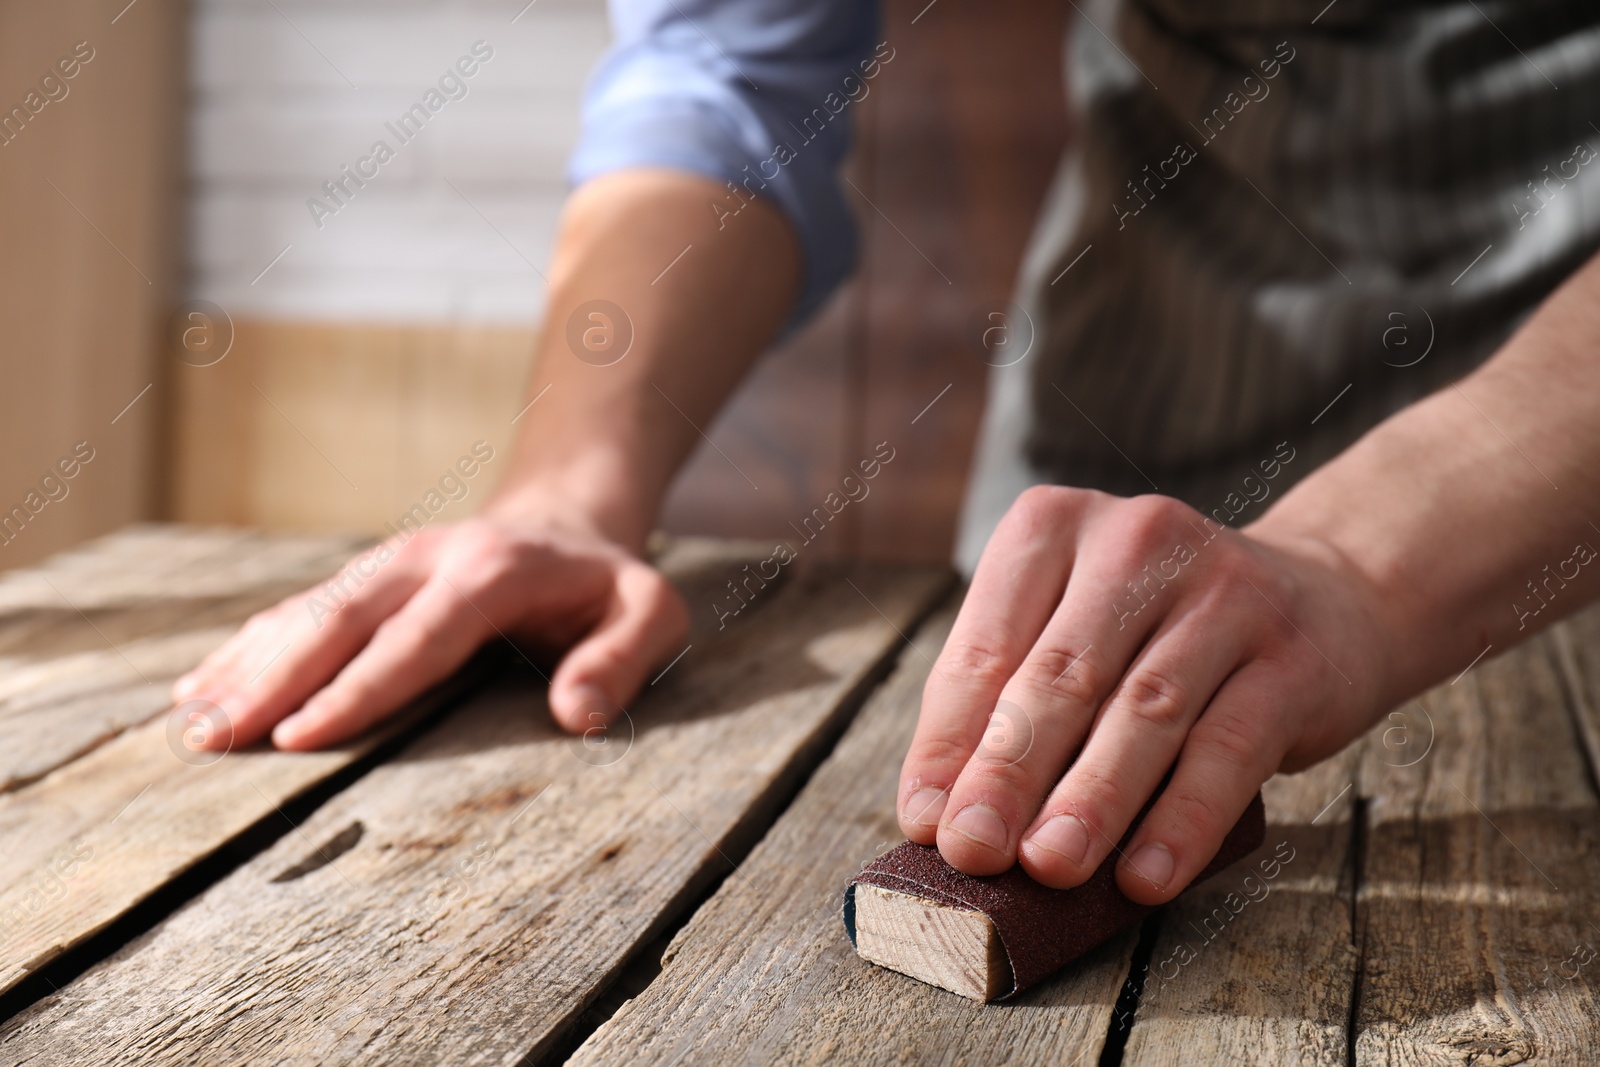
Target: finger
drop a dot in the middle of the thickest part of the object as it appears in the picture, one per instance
(1138, 736)
(1046, 709)
(222, 664)
(1016, 588)
(1234, 747)
(240, 660)
(273, 669)
(645, 624)
(423, 643)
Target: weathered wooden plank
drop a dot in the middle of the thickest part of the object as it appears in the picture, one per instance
(763, 973)
(1478, 896)
(97, 836)
(487, 882)
(91, 640)
(1218, 987)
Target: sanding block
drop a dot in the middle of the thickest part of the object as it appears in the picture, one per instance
(991, 937)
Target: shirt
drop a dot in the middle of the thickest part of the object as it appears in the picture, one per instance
(755, 93)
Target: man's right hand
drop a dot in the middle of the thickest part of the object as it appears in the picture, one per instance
(318, 669)
(554, 559)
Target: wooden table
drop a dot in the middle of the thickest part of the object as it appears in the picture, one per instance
(472, 887)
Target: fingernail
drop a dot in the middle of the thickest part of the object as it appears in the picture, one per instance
(184, 686)
(287, 733)
(1153, 863)
(925, 807)
(982, 824)
(589, 708)
(585, 694)
(1066, 836)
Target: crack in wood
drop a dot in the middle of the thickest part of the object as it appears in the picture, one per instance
(336, 846)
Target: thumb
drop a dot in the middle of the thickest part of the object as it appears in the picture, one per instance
(645, 623)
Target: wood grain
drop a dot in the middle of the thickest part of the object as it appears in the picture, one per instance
(495, 874)
(764, 973)
(1479, 876)
(1217, 988)
(104, 808)
(93, 839)
(953, 948)
(91, 641)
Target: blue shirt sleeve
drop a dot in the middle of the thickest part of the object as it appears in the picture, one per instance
(755, 93)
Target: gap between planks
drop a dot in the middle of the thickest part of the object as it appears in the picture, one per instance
(461, 935)
(763, 972)
(1480, 869)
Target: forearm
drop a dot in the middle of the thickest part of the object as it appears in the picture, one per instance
(604, 439)
(1453, 506)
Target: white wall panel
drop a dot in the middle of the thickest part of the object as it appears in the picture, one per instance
(284, 95)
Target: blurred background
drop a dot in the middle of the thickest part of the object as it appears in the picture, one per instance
(167, 296)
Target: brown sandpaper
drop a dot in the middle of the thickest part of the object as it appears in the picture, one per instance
(1041, 929)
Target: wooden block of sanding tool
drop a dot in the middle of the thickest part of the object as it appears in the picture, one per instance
(952, 948)
(992, 937)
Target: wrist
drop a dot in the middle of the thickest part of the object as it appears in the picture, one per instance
(1364, 548)
(1367, 626)
(591, 496)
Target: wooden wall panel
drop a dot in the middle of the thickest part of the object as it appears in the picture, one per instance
(341, 427)
(88, 229)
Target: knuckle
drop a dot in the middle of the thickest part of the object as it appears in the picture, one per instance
(339, 618)
(976, 661)
(1043, 508)
(1160, 514)
(345, 693)
(1233, 566)
(937, 752)
(1196, 816)
(414, 638)
(1154, 699)
(1149, 527)
(606, 659)
(487, 559)
(999, 784)
(268, 618)
(659, 597)
(1097, 798)
(1228, 739)
(1057, 673)
(1040, 499)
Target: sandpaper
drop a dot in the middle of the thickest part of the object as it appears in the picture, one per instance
(1041, 929)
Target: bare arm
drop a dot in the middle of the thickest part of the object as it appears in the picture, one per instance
(608, 437)
(1451, 508)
